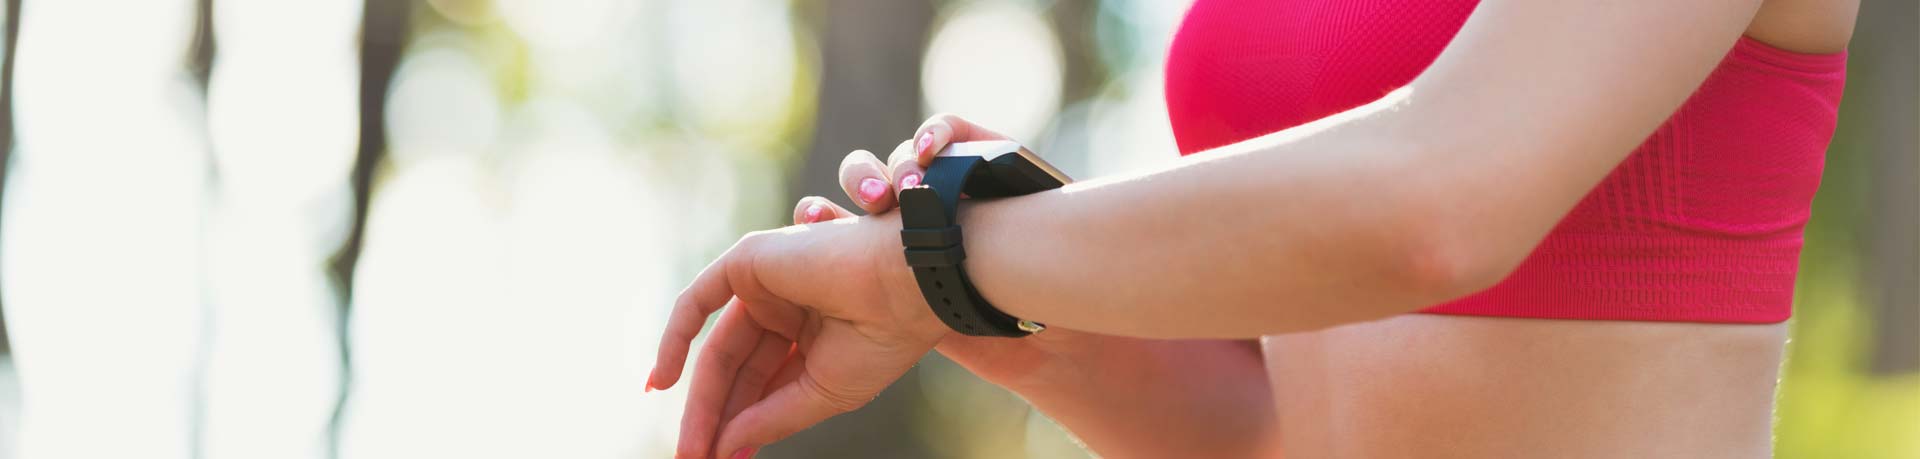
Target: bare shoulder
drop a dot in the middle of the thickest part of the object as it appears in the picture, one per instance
(1806, 26)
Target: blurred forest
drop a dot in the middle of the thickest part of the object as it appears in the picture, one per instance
(451, 228)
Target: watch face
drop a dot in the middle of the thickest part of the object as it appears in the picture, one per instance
(1024, 165)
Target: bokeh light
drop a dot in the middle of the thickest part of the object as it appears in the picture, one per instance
(735, 83)
(996, 63)
(443, 102)
(565, 25)
(556, 170)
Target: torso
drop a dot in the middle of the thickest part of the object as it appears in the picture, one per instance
(1480, 387)
(1430, 385)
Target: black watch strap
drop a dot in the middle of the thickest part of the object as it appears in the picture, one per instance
(932, 237)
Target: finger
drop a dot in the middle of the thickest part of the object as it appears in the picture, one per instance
(795, 363)
(728, 347)
(709, 291)
(750, 383)
(903, 167)
(865, 180)
(815, 209)
(936, 132)
(785, 411)
(789, 372)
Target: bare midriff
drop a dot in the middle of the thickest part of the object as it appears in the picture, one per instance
(1482, 387)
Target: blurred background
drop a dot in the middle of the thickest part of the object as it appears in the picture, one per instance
(451, 228)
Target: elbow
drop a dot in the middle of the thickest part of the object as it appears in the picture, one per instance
(1447, 241)
(1450, 259)
(1442, 271)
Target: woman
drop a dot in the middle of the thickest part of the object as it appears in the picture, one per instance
(1513, 229)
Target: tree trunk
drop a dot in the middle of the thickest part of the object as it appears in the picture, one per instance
(869, 98)
(1886, 50)
(382, 38)
(6, 129)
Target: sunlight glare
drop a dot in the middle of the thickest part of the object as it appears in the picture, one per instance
(102, 236)
(431, 319)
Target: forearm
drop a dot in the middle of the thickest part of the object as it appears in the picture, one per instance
(1130, 397)
(1434, 192)
(1315, 226)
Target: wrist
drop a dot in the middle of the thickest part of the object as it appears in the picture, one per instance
(1037, 365)
(896, 282)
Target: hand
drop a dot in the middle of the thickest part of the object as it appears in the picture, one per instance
(818, 320)
(1013, 363)
(875, 186)
(1076, 376)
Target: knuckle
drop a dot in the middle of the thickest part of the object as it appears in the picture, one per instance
(748, 242)
(686, 314)
(738, 260)
(754, 375)
(904, 152)
(854, 157)
(743, 243)
(806, 202)
(908, 164)
(723, 358)
(935, 120)
(756, 252)
(855, 164)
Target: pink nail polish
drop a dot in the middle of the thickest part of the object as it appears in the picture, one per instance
(910, 181)
(926, 140)
(813, 212)
(744, 453)
(872, 189)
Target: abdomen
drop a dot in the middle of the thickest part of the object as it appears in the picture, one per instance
(1452, 386)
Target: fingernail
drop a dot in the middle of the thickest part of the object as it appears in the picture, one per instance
(814, 210)
(648, 389)
(872, 189)
(911, 180)
(926, 140)
(744, 453)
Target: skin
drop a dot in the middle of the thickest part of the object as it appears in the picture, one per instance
(1334, 231)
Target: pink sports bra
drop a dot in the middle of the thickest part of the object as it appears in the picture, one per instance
(1701, 223)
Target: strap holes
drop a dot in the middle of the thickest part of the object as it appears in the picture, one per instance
(937, 284)
(946, 301)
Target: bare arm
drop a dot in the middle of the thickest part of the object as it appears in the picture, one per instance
(1433, 192)
(1121, 397)
(1142, 398)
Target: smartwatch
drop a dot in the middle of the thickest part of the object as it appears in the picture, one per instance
(932, 236)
